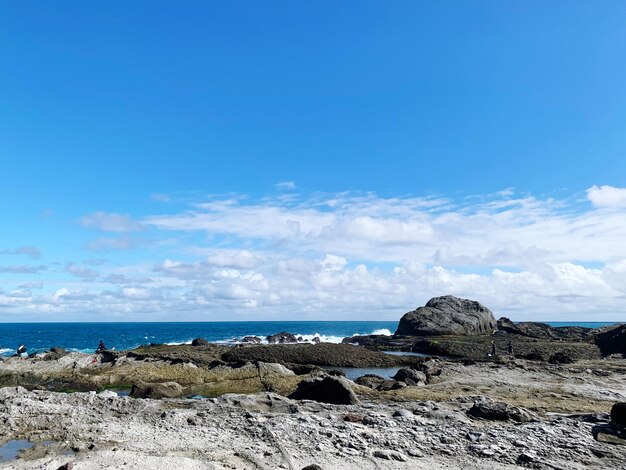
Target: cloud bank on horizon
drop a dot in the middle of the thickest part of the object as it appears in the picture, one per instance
(291, 255)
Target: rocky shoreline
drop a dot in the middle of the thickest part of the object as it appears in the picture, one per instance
(543, 400)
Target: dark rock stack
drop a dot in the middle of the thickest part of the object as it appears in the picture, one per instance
(326, 389)
(282, 338)
(448, 315)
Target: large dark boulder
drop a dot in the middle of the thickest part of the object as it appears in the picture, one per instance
(281, 338)
(326, 389)
(448, 315)
(200, 342)
(611, 339)
(618, 414)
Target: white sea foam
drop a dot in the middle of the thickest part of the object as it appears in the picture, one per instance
(382, 331)
(4, 351)
(308, 338)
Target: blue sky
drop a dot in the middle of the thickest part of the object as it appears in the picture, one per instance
(125, 126)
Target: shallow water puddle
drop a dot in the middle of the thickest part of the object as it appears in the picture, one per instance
(11, 449)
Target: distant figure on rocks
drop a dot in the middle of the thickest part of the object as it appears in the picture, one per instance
(510, 348)
(101, 347)
(493, 348)
(21, 350)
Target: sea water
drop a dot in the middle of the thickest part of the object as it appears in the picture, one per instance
(84, 337)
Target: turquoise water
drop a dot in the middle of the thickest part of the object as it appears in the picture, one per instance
(84, 336)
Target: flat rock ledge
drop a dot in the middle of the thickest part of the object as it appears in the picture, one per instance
(268, 431)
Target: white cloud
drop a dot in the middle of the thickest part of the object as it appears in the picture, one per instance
(285, 185)
(110, 222)
(607, 196)
(355, 256)
(31, 251)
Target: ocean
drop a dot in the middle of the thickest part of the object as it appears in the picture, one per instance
(84, 337)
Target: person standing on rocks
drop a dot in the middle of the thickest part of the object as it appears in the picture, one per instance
(101, 347)
(510, 348)
(493, 348)
(21, 350)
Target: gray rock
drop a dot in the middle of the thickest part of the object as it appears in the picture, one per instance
(251, 340)
(390, 455)
(199, 342)
(156, 390)
(326, 389)
(448, 315)
(498, 411)
(281, 338)
(410, 377)
(370, 380)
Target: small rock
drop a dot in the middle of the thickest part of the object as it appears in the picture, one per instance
(200, 342)
(390, 455)
(402, 413)
(67, 466)
(313, 466)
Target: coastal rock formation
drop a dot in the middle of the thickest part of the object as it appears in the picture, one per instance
(611, 339)
(370, 380)
(156, 390)
(251, 432)
(326, 389)
(448, 315)
(282, 338)
(200, 342)
(618, 414)
(323, 354)
(542, 330)
(498, 411)
(411, 377)
(251, 340)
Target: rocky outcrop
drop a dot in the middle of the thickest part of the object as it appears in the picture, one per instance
(543, 330)
(200, 342)
(370, 380)
(326, 389)
(618, 414)
(411, 377)
(611, 339)
(448, 315)
(282, 338)
(251, 340)
(156, 390)
(323, 354)
(498, 411)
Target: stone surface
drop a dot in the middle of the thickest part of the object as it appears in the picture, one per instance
(411, 377)
(448, 315)
(370, 380)
(200, 342)
(282, 338)
(611, 339)
(498, 411)
(156, 390)
(618, 414)
(326, 389)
